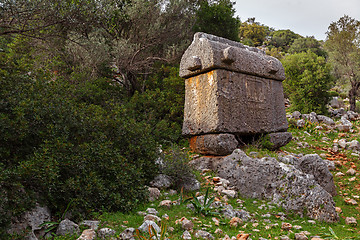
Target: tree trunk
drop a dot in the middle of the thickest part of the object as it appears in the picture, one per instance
(352, 95)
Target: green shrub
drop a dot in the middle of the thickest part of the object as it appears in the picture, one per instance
(308, 80)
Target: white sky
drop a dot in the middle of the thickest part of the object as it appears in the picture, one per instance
(305, 17)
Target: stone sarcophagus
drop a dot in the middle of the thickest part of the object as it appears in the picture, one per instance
(231, 92)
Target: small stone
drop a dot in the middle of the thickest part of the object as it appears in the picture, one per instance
(186, 235)
(339, 174)
(106, 233)
(235, 221)
(350, 221)
(350, 201)
(242, 236)
(128, 234)
(338, 210)
(268, 215)
(216, 221)
(203, 234)
(297, 227)
(286, 226)
(300, 123)
(342, 143)
(145, 226)
(187, 224)
(296, 115)
(311, 221)
(165, 216)
(152, 211)
(300, 236)
(226, 237)
(219, 232)
(284, 238)
(152, 217)
(88, 234)
(352, 179)
(351, 172)
(230, 193)
(154, 194)
(67, 227)
(166, 203)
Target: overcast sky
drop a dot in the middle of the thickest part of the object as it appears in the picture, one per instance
(305, 17)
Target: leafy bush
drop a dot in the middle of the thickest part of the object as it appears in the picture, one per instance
(62, 142)
(176, 166)
(308, 80)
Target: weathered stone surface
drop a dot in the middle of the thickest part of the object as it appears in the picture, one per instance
(104, 233)
(128, 234)
(207, 52)
(67, 227)
(191, 185)
(187, 224)
(345, 122)
(152, 217)
(145, 226)
(300, 123)
(296, 115)
(283, 184)
(221, 101)
(354, 145)
(326, 120)
(351, 221)
(313, 164)
(300, 236)
(203, 235)
(161, 181)
(154, 193)
(31, 219)
(88, 234)
(313, 117)
(186, 235)
(214, 144)
(279, 139)
(336, 103)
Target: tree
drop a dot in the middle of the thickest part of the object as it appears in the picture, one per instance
(283, 39)
(343, 46)
(308, 79)
(217, 18)
(305, 44)
(252, 33)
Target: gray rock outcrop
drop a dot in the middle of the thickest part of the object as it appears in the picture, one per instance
(67, 227)
(293, 187)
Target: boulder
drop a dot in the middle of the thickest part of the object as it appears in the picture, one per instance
(154, 193)
(313, 118)
(145, 226)
(313, 164)
(161, 181)
(279, 139)
(326, 120)
(88, 234)
(300, 123)
(31, 220)
(296, 115)
(354, 145)
(67, 227)
(285, 185)
(105, 233)
(91, 224)
(128, 234)
(336, 103)
(345, 122)
(214, 144)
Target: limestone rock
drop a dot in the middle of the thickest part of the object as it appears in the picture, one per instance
(354, 145)
(166, 203)
(191, 185)
(351, 221)
(313, 117)
(161, 181)
(300, 236)
(286, 185)
(351, 172)
(128, 234)
(229, 193)
(345, 122)
(187, 224)
(342, 143)
(296, 115)
(279, 139)
(300, 123)
(152, 211)
(154, 193)
(326, 120)
(235, 221)
(153, 218)
(88, 234)
(336, 103)
(203, 235)
(104, 233)
(214, 144)
(186, 235)
(145, 226)
(315, 165)
(67, 227)
(286, 226)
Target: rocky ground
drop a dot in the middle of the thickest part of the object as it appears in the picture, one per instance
(216, 209)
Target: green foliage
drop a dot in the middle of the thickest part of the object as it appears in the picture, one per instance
(252, 33)
(175, 165)
(308, 80)
(217, 18)
(342, 44)
(161, 105)
(304, 44)
(152, 233)
(205, 207)
(282, 39)
(62, 142)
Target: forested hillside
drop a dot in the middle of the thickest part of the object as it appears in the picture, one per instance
(90, 95)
